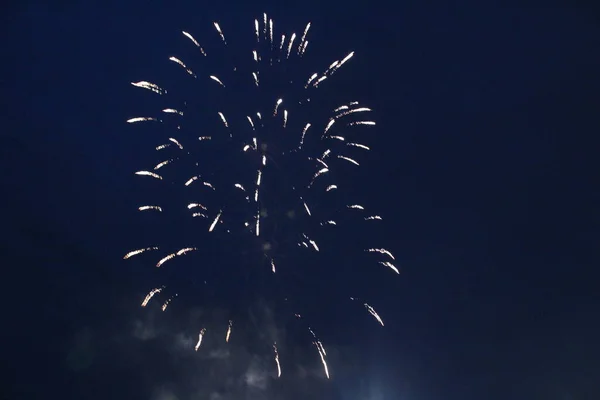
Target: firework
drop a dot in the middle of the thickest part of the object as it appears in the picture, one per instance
(262, 109)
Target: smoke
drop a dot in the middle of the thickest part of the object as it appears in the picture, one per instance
(243, 367)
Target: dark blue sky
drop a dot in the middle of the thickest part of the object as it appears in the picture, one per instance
(485, 165)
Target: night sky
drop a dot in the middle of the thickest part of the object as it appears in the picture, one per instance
(483, 164)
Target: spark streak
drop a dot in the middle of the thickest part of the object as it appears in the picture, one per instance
(150, 295)
(228, 331)
(150, 86)
(200, 336)
(277, 360)
(194, 41)
(148, 173)
(374, 313)
(141, 119)
(144, 208)
(139, 251)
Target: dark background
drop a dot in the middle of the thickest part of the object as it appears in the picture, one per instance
(485, 164)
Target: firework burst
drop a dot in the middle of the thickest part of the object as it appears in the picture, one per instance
(252, 150)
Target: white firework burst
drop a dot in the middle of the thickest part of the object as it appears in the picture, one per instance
(258, 153)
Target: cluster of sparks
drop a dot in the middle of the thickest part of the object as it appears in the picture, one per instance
(281, 49)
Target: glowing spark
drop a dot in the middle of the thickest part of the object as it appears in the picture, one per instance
(281, 44)
(322, 354)
(223, 119)
(265, 24)
(317, 174)
(304, 134)
(348, 159)
(257, 224)
(138, 251)
(321, 79)
(150, 295)
(279, 101)
(361, 123)
(172, 111)
(382, 251)
(251, 123)
(322, 163)
(150, 86)
(141, 119)
(329, 125)
(218, 28)
(166, 303)
(165, 259)
(354, 110)
(289, 50)
(215, 221)
(312, 78)
(185, 251)
(304, 48)
(277, 360)
(360, 146)
(214, 78)
(331, 66)
(192, 179)
(390, 265)
(228, 331)
(144, 208)
(176, 143)
(173, 255)
(349, 56)
(194, 41)
(178, 61)
(162, 164)
(148, 173)
(356, 207)
(200, 336)
(306, 207)
(374, 313)
(301, 46)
